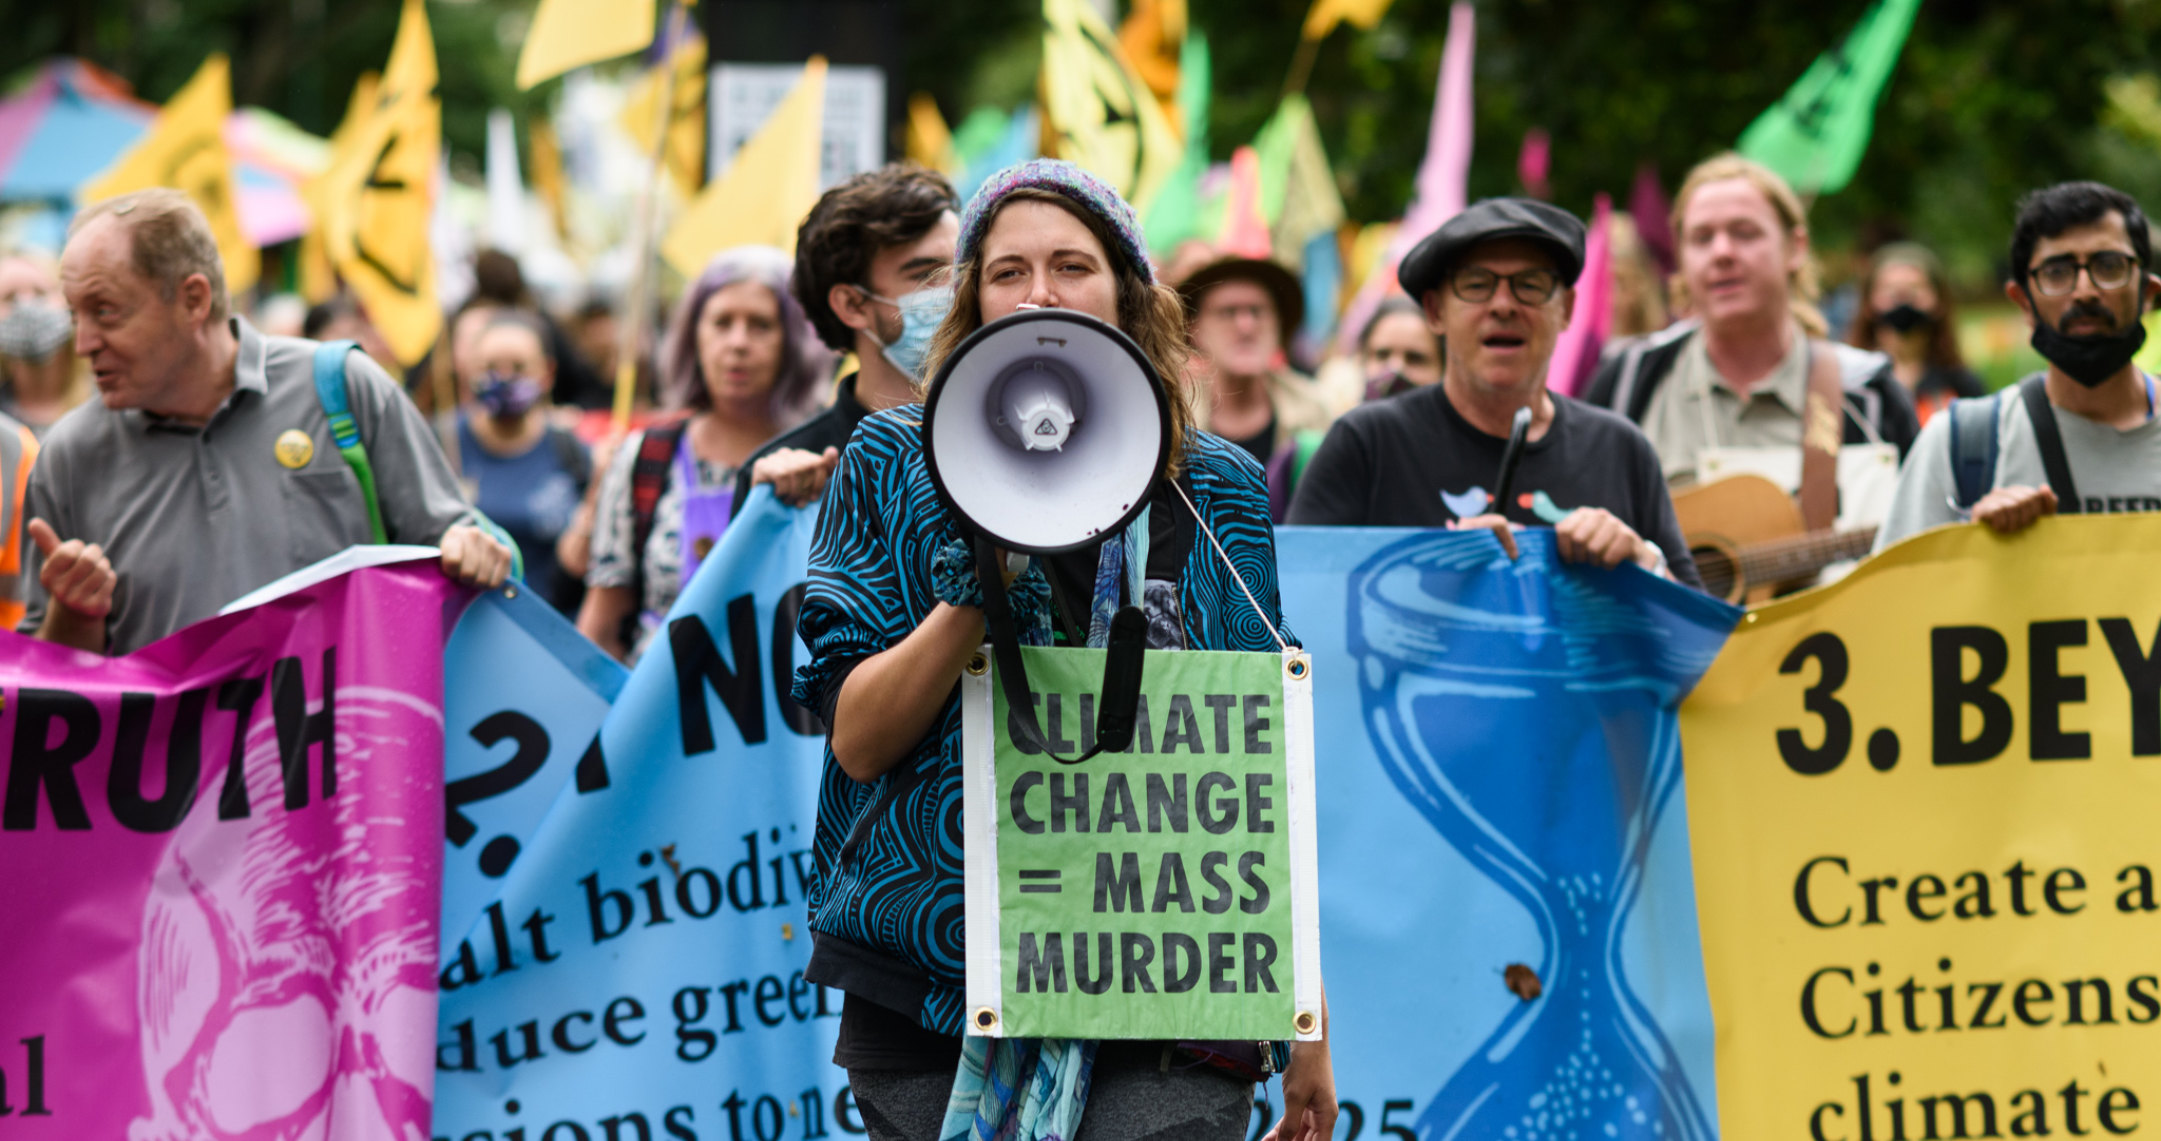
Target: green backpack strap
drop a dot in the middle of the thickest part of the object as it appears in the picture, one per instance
(330, 391)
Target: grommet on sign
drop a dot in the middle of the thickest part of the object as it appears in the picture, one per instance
(978, 665)
(1305, 1022)
(510, 589)
(986, 1019)
(1298, 667)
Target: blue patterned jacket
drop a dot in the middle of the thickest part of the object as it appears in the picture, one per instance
(886, 896)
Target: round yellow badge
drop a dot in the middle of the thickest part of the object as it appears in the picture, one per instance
(295, 448)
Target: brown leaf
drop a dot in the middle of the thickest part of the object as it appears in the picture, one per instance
(1522, 982)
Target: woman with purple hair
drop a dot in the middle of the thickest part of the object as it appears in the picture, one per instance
(740, 356)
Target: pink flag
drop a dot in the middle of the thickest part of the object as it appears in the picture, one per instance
(1647, 204)
(1441, 177)
(1245, 230)
(1535, 162)
(1575, 355)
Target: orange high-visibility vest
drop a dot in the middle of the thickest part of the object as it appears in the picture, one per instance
(18, 450)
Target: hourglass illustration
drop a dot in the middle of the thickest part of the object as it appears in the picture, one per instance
(1518, 706)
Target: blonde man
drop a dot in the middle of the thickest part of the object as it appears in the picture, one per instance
(1733, 382)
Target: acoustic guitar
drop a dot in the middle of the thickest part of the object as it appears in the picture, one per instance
(1748, 541)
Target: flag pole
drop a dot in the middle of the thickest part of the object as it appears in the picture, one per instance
(635, 297)
(1301, 65)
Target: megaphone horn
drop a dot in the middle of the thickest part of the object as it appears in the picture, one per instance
(1045, 431)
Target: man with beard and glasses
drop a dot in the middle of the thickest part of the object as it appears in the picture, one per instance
(2081, 436)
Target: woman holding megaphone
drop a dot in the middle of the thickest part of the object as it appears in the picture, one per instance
(894, 612)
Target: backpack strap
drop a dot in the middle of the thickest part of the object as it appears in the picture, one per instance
(1975, 424)
(2046, 437)
(648, 481)
(344, 431)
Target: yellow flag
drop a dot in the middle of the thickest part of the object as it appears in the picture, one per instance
(1102, 116)
(572, 33)
(685, 154)
(185, 150)
(544, 165)
(770, 186)
(374, 204)
(930, 143)
(1323, 17)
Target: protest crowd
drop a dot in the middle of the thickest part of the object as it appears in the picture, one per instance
(178, 431)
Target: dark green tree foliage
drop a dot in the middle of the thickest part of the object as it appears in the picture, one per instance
(1990, 99)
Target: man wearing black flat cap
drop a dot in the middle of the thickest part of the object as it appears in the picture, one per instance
(1497, 283)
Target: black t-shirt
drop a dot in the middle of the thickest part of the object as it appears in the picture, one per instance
(828, 429)
(1260, 445)
(1414, 461)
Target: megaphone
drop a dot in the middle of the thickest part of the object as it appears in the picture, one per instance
(1046, 431)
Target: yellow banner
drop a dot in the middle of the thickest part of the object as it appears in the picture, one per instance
(185, 150)
(375, 202)
(1921, 809)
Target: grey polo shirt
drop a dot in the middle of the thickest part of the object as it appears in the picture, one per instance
(195, 517)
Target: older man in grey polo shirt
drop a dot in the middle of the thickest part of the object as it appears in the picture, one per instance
(207, 468)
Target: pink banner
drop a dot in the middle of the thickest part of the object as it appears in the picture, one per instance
(220, 871)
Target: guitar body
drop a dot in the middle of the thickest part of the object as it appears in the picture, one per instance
(1727, 517)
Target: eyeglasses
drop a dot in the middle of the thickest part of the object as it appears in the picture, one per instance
(1531, 286)
(2109, 269)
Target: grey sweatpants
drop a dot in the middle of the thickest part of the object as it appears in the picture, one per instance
(1130, 1098)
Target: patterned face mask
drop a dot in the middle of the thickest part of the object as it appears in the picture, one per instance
(33, 331)
(506, 397)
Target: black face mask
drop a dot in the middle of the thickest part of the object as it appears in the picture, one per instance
(1904, 318)
(2089, 358)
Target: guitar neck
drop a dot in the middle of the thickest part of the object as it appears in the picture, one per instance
(1783, 560)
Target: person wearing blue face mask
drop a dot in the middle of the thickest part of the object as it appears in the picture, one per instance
(871, 261)
(524, 472)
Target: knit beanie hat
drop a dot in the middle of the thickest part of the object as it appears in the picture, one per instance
(1068, 181)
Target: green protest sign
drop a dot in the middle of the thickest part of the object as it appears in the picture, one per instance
(1164, 892)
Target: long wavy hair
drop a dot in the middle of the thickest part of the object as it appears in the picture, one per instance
(805, 364)
(1804, 284)
(1149, 312)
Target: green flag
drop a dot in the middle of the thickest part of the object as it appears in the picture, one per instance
(1815, 135)
(1175, 215)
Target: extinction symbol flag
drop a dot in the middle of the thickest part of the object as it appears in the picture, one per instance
(185, 150)
(1168, 891)
(375, 203)
(1106, 118)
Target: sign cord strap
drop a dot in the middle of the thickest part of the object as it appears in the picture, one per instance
(1232, 567)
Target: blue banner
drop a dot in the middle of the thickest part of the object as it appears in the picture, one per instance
(1508, 924)
(623, 923)
(1507, 909)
